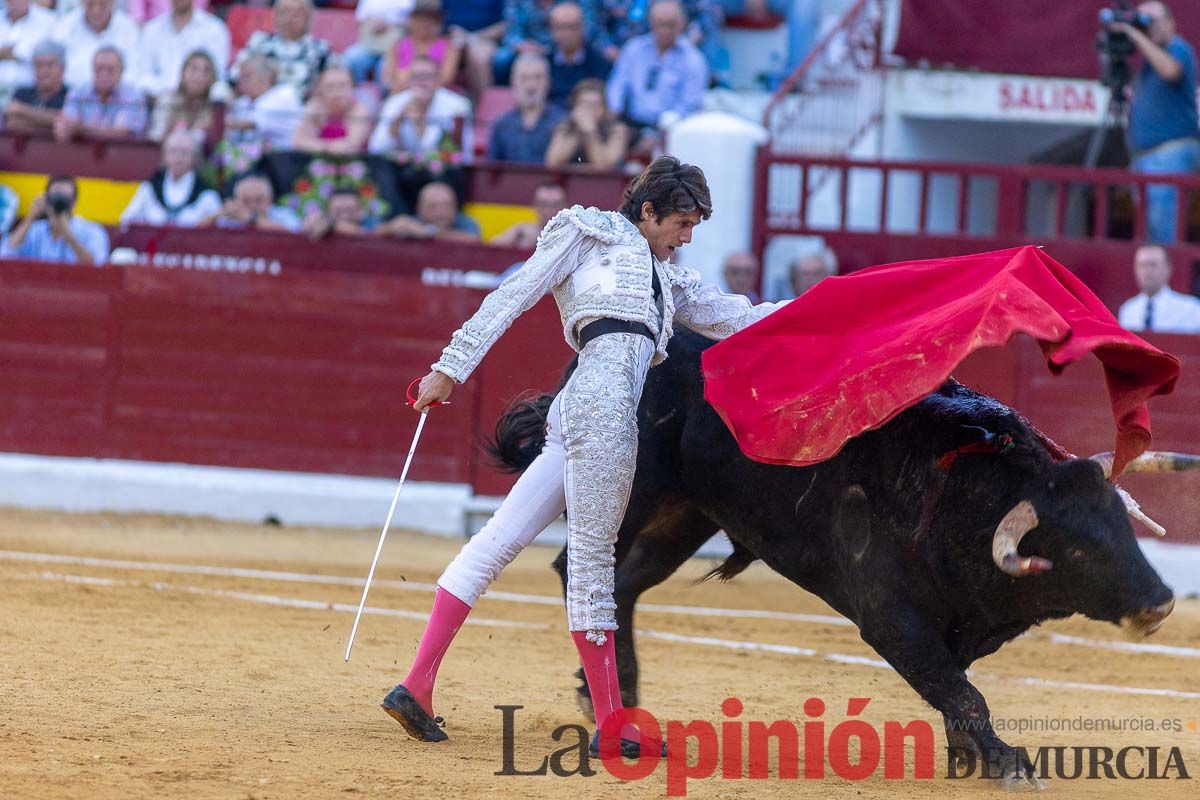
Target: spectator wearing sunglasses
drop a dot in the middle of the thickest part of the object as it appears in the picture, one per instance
(659, 76)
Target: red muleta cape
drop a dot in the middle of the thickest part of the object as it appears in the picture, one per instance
(856, 350)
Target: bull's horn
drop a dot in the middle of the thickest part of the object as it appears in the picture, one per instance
(1016, 523)
(1150, 461)
(1134, 510)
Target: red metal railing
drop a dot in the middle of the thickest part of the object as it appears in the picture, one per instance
(956, 199)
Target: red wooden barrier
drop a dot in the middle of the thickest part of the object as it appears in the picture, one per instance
(306, 370)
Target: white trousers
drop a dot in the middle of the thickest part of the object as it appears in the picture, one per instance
(585, 468)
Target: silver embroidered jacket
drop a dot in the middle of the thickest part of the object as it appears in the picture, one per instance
(598, 265)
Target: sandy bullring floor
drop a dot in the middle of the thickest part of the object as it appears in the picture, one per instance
(141, 666)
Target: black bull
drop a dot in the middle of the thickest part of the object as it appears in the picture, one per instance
(895, 541)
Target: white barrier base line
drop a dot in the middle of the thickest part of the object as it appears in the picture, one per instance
(703, 641)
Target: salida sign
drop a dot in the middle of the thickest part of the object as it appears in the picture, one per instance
(1049, 97)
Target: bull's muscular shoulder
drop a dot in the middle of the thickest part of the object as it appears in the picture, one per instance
(609, 227)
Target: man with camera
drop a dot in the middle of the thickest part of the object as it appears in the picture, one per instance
(1163, 123)
(51, 232)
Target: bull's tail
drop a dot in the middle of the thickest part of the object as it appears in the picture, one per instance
(520, 433)
(733, 565)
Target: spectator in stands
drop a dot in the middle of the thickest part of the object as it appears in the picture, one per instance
(572, 58)
(106, 109)
(528, 31)
(1157, 307)
(253, 206)
(189, 107)
(52, 232)
(523, 133)
(22, 28)
(590, 134)
(380, 23)
(424, 39)
(175, 194)
(170, 40)
(548, 200)
(298, 55)
(807, 271)
(1162, 119)
(659, 76)
(477, 26)
(36, 107)
(438, 217)
(265, 114)
(415, 124)
(96, 24)
(703, 18)
(334, 122)
(345, 216)
(740, 272)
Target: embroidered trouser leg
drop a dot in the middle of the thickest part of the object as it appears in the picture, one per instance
(599, 430)
(535, 501)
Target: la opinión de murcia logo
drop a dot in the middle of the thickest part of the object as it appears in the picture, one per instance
(852, 749)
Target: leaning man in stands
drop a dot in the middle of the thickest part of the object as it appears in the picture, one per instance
(52, 232)
(108, 108)
(37, 107)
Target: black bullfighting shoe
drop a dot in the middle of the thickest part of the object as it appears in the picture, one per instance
(629, 747)
(404, 708)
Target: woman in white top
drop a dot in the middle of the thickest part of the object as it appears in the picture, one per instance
(175, 194)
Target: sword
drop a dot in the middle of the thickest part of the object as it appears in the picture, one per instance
(391, 511)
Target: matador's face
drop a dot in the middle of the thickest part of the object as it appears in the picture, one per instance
(667, 234)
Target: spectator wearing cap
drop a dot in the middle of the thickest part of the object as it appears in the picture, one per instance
(51, 231)
(105, 109)
(265, 113)
(528, 31)
(23, 26)
(659, 76)
(438, 217)
(523, 133)
(171, 38)
(424, 39)
(380, 24)
(298, 55)
(175, 194)
(253, 206)
(36, 107)
(590, 135)
(190, 106)
(572, 59)
(96, 24)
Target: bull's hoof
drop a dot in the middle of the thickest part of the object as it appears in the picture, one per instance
(404, 708)
(629, 748)
(583, 698)
(1022, 782)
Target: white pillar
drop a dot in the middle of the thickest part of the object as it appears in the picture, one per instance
(724, 147)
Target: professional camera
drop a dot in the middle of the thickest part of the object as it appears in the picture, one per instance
(58, 203)
(1116, 48)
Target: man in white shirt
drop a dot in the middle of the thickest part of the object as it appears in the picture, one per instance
(84, 30)
(168, 39)
(22, 27)
(264, 111)
(1156, 307)
(415, 120)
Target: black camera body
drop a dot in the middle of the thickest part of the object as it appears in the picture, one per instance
(58, 203)
(1115, 47)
